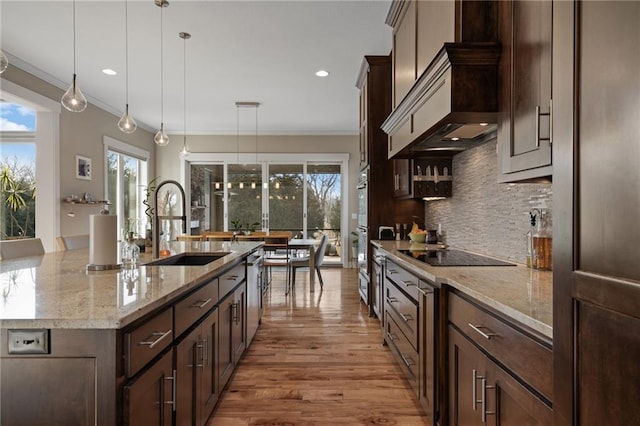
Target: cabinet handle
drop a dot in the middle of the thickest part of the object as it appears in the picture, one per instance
(392, 336)
(477, 328)
(201, 345)
(406, 317)
(537, 134)
(474, 392)
(409, 284)
(540, 114)
(550, 121)
(173, 390)
(425, 291)
(161, 335)
(391, 300)
(484, 400)
(407, 361)
(201, 303)
(234, 313)
(232, 277)
(392, 271)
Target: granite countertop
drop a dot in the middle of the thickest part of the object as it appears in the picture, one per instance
(520, 293)
(55, 290)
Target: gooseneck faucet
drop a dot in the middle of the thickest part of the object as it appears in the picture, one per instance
(158, 217)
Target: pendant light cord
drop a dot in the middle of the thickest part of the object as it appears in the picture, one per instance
(237, 134)
(256, 134)
(126, 53)
(161, 75)
(74, 39)
(184, 87)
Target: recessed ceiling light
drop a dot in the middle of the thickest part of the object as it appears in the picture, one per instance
(455, 139)
(322, 73)
(484, 124)
(109, 71)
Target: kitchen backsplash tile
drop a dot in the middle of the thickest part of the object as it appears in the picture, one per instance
(484, 216)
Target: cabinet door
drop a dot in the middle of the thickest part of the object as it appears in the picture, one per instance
(428, 351)
(508, 403)
(364, 118)
(148, 400)
(524, 127)
(209, 390)
(225, 345)
(466, 371)
(404, 54)
(239, 321)
(402, 178)
(376, 289)
(188, 357)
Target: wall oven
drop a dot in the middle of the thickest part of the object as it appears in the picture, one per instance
(363, 235)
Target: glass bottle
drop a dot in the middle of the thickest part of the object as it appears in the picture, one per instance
(130, 251)
(543, 242)
(164, 250)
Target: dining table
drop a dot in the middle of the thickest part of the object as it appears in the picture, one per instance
(307, 244)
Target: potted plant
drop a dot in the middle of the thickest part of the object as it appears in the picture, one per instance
(354, 244)
(251, 228)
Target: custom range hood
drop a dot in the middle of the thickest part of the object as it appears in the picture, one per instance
(451, 107)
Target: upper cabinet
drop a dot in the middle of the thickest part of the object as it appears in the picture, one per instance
(445, 76)
(526, 110)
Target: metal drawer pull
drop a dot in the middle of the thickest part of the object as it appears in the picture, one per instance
(392, 336)
(477, 328)
(474, 392)
(407, 361)
(173, 391)
(409, 284)
(406, 317)
(537, 134)
(155, 342)
(232, 277)
(391, 299)
(207, 361)
(234, 313)
(425, 291)
(484, 400)
(201, 303)
(392, 271)
(200, 345)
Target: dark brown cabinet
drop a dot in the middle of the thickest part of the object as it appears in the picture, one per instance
(596, 296)
(377, 283)
(149, 399)
(196, 381)
(402, 178)
(526, 113)
(232, 334)
(498, 375)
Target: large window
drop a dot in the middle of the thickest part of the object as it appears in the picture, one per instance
(126, 184)
(17, 171)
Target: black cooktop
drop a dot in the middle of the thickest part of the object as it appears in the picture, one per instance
(453, 258)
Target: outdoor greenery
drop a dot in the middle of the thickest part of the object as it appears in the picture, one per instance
(18, 206)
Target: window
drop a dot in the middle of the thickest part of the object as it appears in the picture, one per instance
(126, 180)
(17, 171)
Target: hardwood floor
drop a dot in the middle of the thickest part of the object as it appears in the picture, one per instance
(317, 359)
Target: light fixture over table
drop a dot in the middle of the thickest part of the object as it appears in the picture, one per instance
(127, 123)
(161, 138)
(73, 99)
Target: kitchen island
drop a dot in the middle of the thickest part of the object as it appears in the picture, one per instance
(467, 333)
(117, 340)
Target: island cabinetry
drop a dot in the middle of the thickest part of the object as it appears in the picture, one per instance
(232, 336)
(146, 340)
(196, 377)
(377, 281)
(526, 113)
(498, 374)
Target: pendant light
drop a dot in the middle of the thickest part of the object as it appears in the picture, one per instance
(4, 62)
(73, 99)
(161, 138)
(185, 148)
(127, 123)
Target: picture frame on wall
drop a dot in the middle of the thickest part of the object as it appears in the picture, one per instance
(83, 167)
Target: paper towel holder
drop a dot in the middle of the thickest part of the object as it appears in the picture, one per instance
(91, 267)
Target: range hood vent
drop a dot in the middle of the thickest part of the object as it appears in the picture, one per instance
(452, 106)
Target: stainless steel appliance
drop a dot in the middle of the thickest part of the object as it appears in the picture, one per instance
(453, 258)
(363, 235)
(254, 293)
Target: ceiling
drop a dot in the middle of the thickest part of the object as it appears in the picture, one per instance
(257, 51)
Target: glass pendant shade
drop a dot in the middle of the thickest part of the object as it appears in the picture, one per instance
(185, 148)
(127, 123)
(4, 62)
(161, 138)
(73, 99)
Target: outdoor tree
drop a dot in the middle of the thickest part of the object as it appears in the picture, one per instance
(17, 218)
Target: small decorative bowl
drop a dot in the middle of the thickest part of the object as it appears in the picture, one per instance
(417, 238)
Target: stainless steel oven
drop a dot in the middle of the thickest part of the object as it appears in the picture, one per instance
(363, 198)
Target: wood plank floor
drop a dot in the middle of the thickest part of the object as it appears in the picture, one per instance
(317, 359)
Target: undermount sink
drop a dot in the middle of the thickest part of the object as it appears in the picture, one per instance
(188, 259)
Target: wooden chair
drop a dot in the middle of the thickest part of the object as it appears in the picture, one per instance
(190, 237)
(72, 242)
(277, 254)
(218, 236)
(303, 262)
(13, 249)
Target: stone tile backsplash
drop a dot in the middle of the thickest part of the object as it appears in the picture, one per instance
(484, 216)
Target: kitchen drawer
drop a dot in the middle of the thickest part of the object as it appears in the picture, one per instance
(231, 279)
(405, 280)
(147, 340)
(193, 307)
(405, 353)
(403, 310)
(526, 357)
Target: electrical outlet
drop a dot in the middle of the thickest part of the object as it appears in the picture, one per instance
(28, 341)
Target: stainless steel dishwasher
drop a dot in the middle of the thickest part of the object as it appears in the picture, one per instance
(254, 293)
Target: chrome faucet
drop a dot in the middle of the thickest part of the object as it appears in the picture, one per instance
(157, 217)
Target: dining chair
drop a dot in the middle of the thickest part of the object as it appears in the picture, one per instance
(13, 249)
(72, 242)
(277, 254)
(303, 262)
